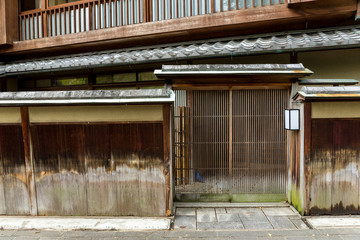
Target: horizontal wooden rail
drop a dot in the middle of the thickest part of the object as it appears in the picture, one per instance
(91, 15)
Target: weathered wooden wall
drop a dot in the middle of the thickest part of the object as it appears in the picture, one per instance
(334, 166)
(86, 168)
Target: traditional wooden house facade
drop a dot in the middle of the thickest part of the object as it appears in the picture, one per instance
(234, 66)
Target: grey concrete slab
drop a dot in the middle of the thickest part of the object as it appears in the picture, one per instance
(254, 218)
(219, 225)
(185, 211)
(281, 222)
(205, 215)
(220, 210)
(185, 222)
(278, 211)
(228, 217)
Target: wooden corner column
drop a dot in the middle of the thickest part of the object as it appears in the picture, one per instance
(167, 152)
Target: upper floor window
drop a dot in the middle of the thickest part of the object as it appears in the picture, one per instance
(58, 2)
(26, 5)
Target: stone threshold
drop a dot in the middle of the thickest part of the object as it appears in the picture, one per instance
(228, 204)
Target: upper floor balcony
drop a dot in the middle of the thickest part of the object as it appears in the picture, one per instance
(47, 26)
(89, 15)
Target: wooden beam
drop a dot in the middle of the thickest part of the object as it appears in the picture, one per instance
(167, 162)
(29, 160)
(230, 21)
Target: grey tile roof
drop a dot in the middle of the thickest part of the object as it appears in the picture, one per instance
(86, 97)
(339, 37)
(329, 92)
(231, 67)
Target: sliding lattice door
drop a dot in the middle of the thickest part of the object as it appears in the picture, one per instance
(231, 141)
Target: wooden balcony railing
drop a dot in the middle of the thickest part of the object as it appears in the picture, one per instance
(91, 15)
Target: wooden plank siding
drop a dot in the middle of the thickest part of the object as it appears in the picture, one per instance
(85, 168)
(334, 164)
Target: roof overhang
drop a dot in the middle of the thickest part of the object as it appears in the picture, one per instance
(270, 43)
(328, 93)
(231, 70)
(141, 96)
(328, 82)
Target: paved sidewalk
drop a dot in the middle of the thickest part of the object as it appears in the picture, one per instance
(298, 234)
(247, 218)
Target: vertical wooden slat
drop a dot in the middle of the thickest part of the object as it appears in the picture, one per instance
(212, 6)
(170, 9)
(29, 161)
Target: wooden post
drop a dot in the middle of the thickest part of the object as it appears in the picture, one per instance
(230, 134)
(307, 153)
(29, 160)
(167, 163)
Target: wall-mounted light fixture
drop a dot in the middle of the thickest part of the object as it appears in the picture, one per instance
(292, 119)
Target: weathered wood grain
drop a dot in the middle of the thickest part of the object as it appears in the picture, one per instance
(334, 164)
(12, 158)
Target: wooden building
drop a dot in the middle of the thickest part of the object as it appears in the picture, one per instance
(234, 66)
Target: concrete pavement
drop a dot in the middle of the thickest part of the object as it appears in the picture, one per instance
(298, 234)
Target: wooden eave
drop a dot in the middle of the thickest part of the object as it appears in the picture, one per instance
(232, 23)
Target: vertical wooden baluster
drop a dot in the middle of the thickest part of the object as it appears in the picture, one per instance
(164, 10)
(262, 2)
(221, 5)
(145, 11)
(237, 4)
(198, 7)
(144, 1)
(184, 15)
(229, 8)
(50, 24)
(33, 26)
(157, 10)
(116, 14)
(177, 9)
(56, 22)
(99, 10)
(68, 10)
(38, 24)
(127, 12)
(212, 6)
(122, 12)
(191, 7)
(205, 1)
(106, 15)
(84, 16)
(170, 9)
(253, 3)
(79, 16)
(22, 32)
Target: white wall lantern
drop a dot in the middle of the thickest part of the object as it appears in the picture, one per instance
(292, 119)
